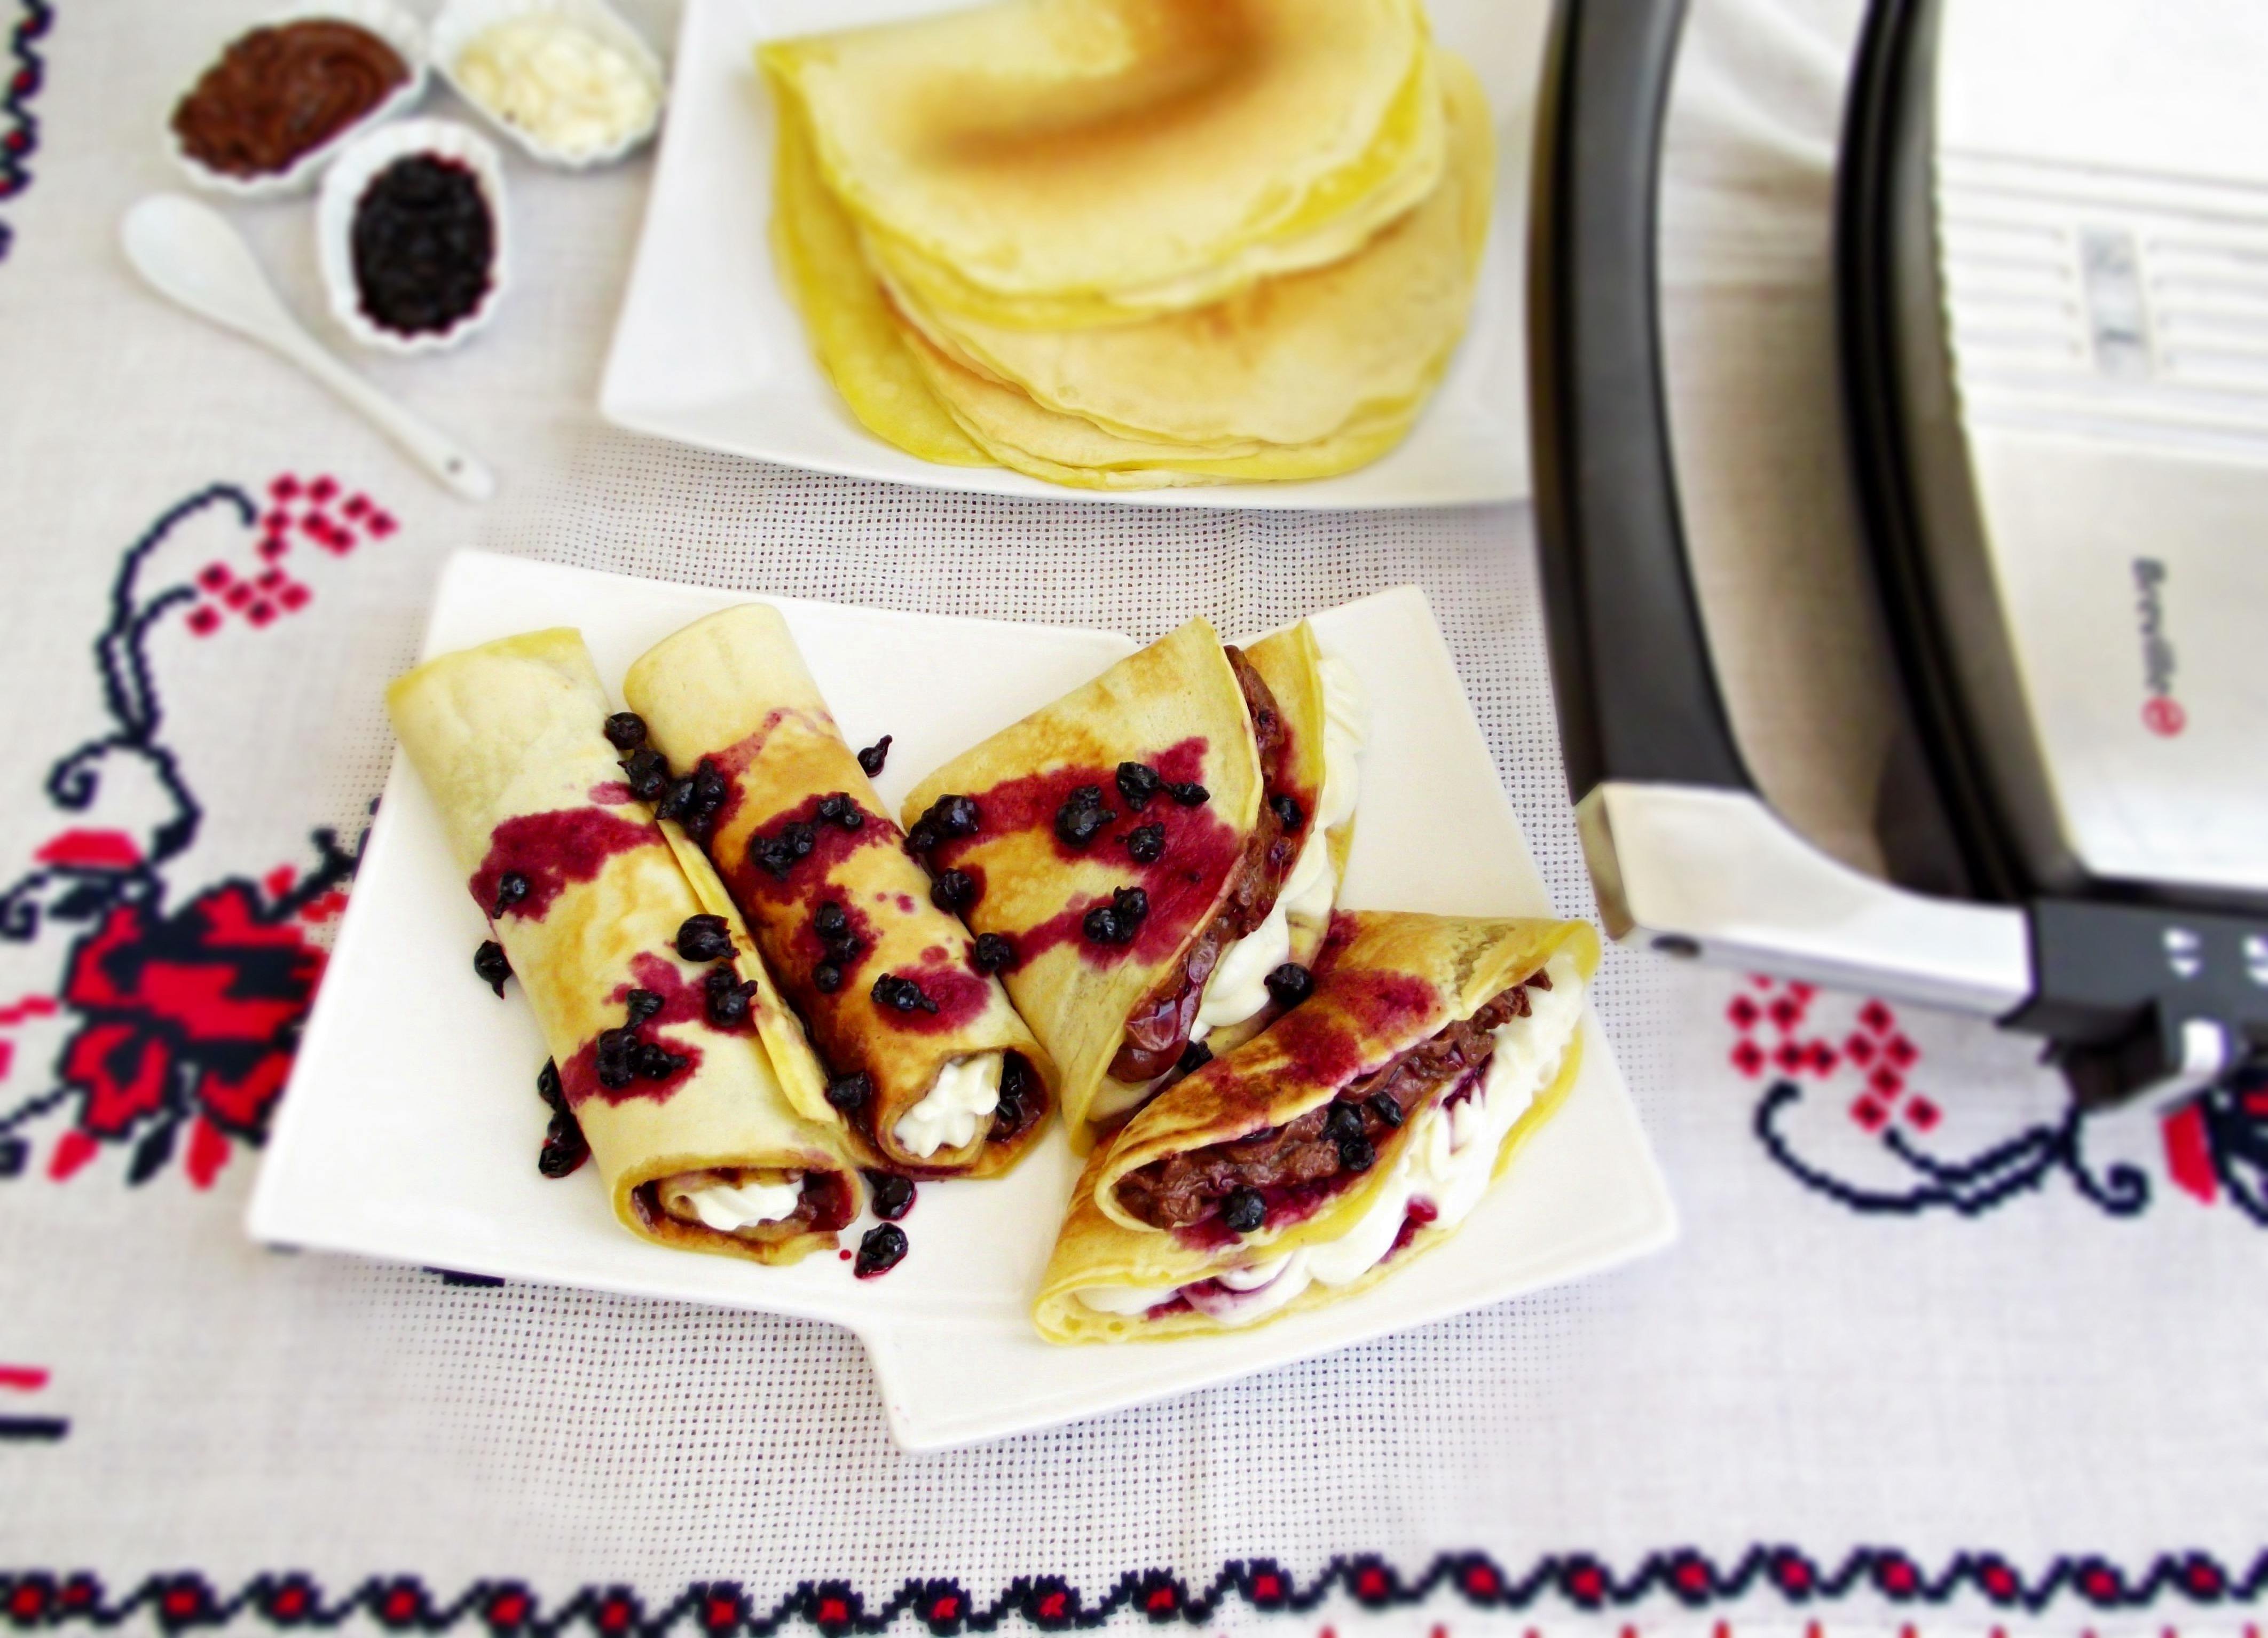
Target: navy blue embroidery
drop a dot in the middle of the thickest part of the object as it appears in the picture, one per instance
(1970, 1187)
(20, 131)
(509, 1609)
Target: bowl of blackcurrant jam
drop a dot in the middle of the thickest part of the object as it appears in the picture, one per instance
(410, 234)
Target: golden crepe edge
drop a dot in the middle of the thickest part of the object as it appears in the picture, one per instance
(1291, 662)
(855, 338)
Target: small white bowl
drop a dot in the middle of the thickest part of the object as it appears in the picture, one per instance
(389, 21)
(461, 22)
(344, 184)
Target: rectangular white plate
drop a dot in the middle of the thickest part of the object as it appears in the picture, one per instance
(709, 350)
(412, 1124)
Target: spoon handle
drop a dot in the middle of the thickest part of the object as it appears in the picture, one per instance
(456, 466)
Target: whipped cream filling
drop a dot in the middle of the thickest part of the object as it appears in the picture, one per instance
(1346, 730)
(1447, 1163)
(967, 1092)
(1239, 985)
(557, 80)
(728, 1208)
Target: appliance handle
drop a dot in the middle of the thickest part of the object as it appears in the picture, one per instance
(1684, 853)
(1638, 698)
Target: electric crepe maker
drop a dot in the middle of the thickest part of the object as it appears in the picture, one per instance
(2052, 263)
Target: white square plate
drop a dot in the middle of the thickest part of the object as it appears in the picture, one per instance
(709, 349)
(412, 1124)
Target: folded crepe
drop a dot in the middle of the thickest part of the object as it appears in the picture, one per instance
(1293, 377)
(1125, 837)
(1355, 1133)
(659, 1056)
(1325, 717)
(885, 976)
(1287, 362)
(1053, 162)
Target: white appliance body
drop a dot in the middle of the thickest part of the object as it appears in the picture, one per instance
(2100, 202)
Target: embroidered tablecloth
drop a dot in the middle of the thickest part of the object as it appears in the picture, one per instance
(1933, 1350)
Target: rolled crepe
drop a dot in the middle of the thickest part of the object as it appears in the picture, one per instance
(956, 1084)
(696, 1142)
(1358, 1132)
(1116, 919)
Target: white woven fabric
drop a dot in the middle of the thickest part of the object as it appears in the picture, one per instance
(2040, 1378)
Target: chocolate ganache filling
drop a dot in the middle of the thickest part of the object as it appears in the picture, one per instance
(1334, 1141)
(1159, 1027)
(281, 92)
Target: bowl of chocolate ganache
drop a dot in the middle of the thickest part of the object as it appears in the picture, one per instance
(411, 235)
(283, 98)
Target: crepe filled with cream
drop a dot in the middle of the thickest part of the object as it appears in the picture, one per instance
(659, 1054)
(928, 1064)
(1118, 843)
(1309, 717)
(1325, 716)
(1355, 1133)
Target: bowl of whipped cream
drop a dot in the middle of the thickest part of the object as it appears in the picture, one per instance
(568, 80)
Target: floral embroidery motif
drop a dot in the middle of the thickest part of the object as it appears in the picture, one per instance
(184, 1016)
(1894, 1155)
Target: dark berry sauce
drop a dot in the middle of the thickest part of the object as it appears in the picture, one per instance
(1179, 874)
(423, 244)
(675, 1000)
(1331, 1047)
(790, 856)
(564, 1146)
(890, 1195)
(882, 1248)
(1421, 1215)
(950, 996)
(550, 850)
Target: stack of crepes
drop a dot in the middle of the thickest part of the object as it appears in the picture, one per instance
(1127, 244)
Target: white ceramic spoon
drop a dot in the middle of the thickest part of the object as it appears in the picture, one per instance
(188, 251)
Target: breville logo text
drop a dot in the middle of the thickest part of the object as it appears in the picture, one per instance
(2162, 712)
